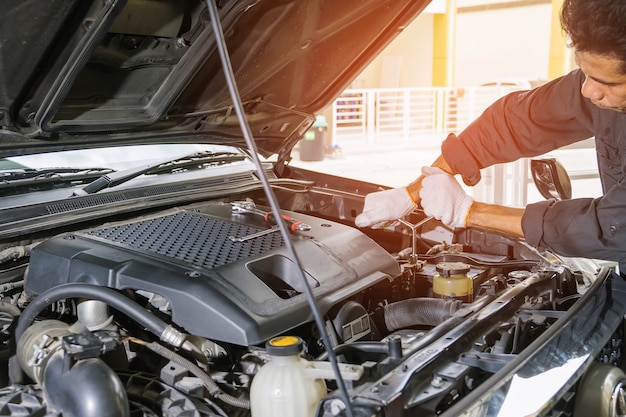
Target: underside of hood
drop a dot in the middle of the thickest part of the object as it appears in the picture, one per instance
(81, 73)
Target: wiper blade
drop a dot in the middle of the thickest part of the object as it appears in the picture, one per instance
(15, 178)
(196, 159)
(40, 173)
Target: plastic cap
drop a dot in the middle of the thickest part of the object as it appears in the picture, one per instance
(284, 346)
(452, 268)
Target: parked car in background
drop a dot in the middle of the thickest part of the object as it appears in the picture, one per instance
(159, 255)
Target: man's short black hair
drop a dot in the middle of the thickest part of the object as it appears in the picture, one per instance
(597, 26)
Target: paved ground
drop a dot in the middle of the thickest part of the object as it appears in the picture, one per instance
(392, 164)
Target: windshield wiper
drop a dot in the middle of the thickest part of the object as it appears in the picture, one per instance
(195, 160)
(27, 177)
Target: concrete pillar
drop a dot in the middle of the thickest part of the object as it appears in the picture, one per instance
(561, 60)
(443, 46)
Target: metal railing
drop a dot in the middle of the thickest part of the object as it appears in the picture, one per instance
(409, 113)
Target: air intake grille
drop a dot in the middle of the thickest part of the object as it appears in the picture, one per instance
(193, 238)
(77, 204)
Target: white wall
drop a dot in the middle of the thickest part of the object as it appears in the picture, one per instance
(505, 42)
(509, 42)
(412, 49)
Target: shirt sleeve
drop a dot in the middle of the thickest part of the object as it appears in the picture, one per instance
(521, 124)
(587, 227)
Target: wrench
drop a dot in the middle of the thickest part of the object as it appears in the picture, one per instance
(414, 228)
(253, 235)
(249, 207)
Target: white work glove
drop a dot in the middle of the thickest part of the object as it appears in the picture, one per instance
(443, 198)
(383, 207)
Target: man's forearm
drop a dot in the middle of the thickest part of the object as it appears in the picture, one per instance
(496, 218)
(486, 216)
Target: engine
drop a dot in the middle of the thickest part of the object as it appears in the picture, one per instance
(215, 281)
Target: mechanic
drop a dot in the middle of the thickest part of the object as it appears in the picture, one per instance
(590, 101)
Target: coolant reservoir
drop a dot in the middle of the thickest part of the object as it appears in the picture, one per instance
(451, 281)
(283, 387)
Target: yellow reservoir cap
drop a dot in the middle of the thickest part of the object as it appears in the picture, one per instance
(284, 341)
(284, 346)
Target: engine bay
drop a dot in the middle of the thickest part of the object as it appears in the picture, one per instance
(188, 300)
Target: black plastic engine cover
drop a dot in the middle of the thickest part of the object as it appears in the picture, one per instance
(236, 292)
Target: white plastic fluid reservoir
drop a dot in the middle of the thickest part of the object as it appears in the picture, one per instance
(282, 386)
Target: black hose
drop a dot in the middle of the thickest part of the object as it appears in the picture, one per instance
(88, 389)
(401, 315)
(107, 295)
(419, 312)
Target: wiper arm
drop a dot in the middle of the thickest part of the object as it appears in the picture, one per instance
(197, 158)
(16, 178)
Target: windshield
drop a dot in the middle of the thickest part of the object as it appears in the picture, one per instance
(62, 176)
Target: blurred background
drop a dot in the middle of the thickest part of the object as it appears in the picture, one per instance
(440, 73)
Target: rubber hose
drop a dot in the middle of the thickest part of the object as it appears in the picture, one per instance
(419, 312)
(206, 379)
(9, 309)
(89, 388)
(107, 295)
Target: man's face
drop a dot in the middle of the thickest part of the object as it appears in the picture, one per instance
(605, 82)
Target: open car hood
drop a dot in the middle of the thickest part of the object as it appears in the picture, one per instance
(79, 74)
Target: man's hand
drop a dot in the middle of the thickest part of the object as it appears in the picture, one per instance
(443, 198)
(385, 206)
